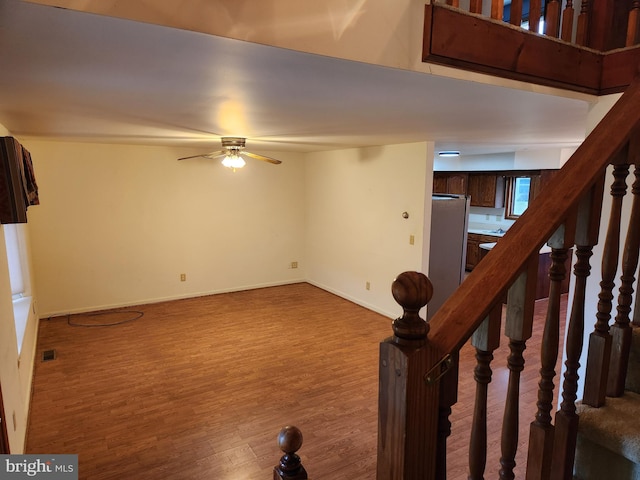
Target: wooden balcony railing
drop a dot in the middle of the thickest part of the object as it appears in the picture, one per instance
(600, 24)
(418, 368)
(590, 46)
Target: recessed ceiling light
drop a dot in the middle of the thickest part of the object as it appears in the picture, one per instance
(449, 153)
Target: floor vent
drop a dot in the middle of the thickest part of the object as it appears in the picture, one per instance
(48, 355)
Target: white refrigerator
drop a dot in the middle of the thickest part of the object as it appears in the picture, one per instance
(448, 247)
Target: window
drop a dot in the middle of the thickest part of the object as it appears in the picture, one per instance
(15, 257)
(518, 189)
(14, 238)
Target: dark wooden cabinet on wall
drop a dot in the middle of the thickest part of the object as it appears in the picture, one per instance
(486, 190)
(450, 182)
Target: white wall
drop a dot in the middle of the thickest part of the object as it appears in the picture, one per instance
(16, 371)
(355, 232)
(118, 224)
(597, 112)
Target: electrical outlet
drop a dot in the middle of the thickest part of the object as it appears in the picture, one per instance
(294, 264)
(412, 239)
(367, 286)
(183, 277)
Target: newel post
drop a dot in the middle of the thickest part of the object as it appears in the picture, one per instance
(408, 389)
(290, 466)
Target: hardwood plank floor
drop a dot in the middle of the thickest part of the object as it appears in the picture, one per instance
(199, 388)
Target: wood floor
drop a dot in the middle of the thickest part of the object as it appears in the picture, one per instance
(199, 389)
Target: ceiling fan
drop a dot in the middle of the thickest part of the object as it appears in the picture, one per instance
(232, 153)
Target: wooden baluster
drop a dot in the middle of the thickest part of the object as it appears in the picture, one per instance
(448, 398)
(535, 13)
(518, 328)
(497, 9)
(600, 340)
(454, 3)
(290, 466)
(566, 420)
(583, 24)
(552, 19)
(621, 330)
(409, 391)
(475, 6)
(567, 22)
(515, 17)
(542, 431)
(485, 339)
(633, 25)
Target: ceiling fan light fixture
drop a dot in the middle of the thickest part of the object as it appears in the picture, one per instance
(233, 160)
(233, 148)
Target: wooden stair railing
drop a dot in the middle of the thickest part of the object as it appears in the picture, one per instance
(418, 368)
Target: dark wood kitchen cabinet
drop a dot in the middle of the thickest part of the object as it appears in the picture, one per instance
(450, 182)
(474, 254)
(486, 190)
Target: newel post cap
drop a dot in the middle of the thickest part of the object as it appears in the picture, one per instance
(412, 291)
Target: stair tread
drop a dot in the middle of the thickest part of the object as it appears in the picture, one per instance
(615, 426)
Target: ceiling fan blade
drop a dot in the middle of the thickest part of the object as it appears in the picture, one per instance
(206, 155)
(262, 157)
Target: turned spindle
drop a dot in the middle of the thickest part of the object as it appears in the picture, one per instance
(290, 466)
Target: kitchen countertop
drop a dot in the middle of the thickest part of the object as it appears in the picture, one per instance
(493, 233)
(488, 246)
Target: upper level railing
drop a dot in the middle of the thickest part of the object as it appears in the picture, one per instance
(418, 367)
(590, 46)
(599, 24)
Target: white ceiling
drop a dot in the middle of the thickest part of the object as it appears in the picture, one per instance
(78, 76)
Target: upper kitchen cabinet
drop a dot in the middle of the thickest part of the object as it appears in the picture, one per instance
(450, 182)
(486, 190)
